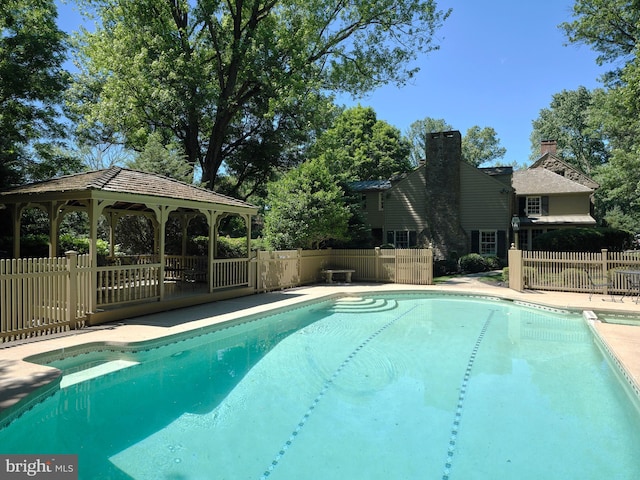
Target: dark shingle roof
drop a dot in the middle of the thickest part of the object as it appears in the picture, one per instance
(370, 185)
(123, 180)
(537, 181)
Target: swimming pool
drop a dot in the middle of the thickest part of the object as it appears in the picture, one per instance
(400, 386)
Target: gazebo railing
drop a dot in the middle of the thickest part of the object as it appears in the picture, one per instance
(231, 272)
(127, 283)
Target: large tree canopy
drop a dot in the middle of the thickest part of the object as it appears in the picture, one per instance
(360, 147)
(217, 75)
(479, 145)
(32, 79)
(568, 121)
(612, 28)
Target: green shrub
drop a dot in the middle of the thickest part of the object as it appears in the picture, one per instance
(568, 276)
(473, 263)
(493, 263)
(505, 275)
(34, 245)
(444, 267)
(68, 242)
(232, 247)
(583, 240)
(529, 275)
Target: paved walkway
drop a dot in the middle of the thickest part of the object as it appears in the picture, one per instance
(19, 378)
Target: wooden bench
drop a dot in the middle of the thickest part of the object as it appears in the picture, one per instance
(328, 273)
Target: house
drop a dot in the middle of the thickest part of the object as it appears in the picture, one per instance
(551, 194)
(445, 202)
(460, 209)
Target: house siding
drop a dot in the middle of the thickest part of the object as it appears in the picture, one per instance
(374, 215)
(485, 203)
(405, 203)
(569, 204)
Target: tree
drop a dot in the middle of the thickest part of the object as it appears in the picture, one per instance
(568, 121)
(32, 80)
(610, 27)
(191, 69)
(161, 159)
(263, 146)
(305, 208)
(361, 147)
(479, 145)
(418, 134)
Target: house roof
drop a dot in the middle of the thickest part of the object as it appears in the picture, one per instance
(555, 164)
(497, 170)
(123, 180)
(538, 181)
(577, 219)
(370, 185)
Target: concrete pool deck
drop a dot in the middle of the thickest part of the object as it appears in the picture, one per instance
(19, 378)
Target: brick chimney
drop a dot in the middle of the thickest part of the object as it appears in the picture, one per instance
(548, 146)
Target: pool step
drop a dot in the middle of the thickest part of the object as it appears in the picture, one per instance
(94, 372)
(363, 305)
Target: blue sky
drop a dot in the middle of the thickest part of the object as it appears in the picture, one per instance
(499, 64)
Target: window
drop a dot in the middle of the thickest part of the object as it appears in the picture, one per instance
(381, 201)
(402, 238)
(488, 242)
(534, 206)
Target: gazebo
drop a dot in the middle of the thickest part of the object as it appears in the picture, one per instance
(115, 192)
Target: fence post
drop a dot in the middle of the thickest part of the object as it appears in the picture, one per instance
(299, 263)
(72, 288)
(515, 269)
(376, 264)
(430, 265)
(604, 259)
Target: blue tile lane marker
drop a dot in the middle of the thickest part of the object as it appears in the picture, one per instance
(323, 391)
(463, 391)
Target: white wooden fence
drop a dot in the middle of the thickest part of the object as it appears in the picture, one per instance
(571, 271)
(49, 295)
(37, 296)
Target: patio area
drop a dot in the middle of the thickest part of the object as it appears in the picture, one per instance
(19, 378)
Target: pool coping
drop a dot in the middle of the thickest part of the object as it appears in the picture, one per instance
(24, 383)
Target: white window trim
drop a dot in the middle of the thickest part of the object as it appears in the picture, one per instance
(494, 242)
(535, 197)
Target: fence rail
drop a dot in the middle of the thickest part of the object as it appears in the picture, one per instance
(39, 296)
(572, 271)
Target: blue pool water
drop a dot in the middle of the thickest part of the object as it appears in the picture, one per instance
(377, 387)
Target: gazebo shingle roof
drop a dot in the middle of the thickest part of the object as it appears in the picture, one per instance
(123, 180)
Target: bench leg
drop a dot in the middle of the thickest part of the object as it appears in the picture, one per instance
(347, 277)
(329, 277)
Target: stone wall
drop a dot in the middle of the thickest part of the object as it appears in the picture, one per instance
(442, 172)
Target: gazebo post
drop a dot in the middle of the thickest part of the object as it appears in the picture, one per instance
(247, 219)
(162, 214)
(16, 214)
(55, 218)
(212, 220)
(93, 211)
